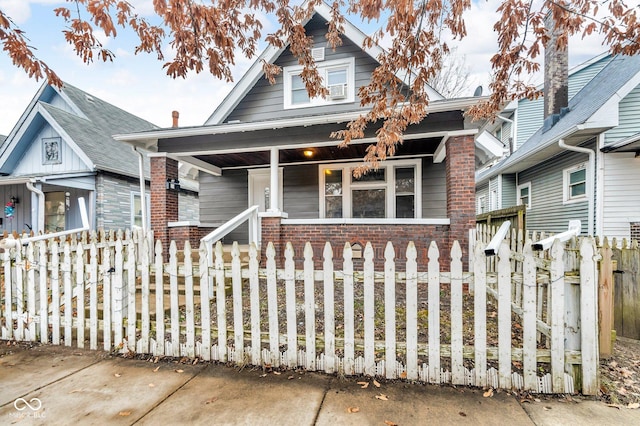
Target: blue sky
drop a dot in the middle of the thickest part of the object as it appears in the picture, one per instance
(138, 84)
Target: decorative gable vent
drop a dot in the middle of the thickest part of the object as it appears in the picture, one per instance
(338, 91)
(317, 54)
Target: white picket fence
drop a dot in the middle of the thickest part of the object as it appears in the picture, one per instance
(369, 321)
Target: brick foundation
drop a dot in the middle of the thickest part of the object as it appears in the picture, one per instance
(193, 234)
(338, 235)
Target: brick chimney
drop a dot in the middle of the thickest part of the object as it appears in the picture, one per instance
(556, 76)
(175, 115)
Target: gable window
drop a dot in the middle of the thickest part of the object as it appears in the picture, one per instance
(136, 209)
(389, 192)
(575, 183)
(524, 194)
(338, 77)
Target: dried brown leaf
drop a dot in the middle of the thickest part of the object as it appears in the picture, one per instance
(124, 413)
(155, 370)
(179, 371)
(277, 373)
(117, 375)
(403, 375)
(364, 385)
(376, 384)
(382, 397)
(353, 410)
(390, 423)
(488, 393)
(211, 400)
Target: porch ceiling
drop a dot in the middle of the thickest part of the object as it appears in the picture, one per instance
(319, 154)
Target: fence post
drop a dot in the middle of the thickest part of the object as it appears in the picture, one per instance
(605, 300)
(588, 317)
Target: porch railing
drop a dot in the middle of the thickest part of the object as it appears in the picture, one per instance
(251, 215)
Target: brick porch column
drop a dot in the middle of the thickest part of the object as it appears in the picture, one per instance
(271, 232)
(164, 202)
(461, 190)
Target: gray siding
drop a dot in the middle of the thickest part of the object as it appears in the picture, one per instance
(113, 201)
(482, 191)
(508, 196)
(628, 113)
(580, 78)
(301, 196)
(434, 189)
(548, 212)
(188, 207)
(223, 197)
(265, 101)
(22, 211)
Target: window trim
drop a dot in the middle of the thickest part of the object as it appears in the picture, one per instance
(390, 187)
(519, 197)
(289, 72)
(132, 214)
(566, 190)
(482, 204)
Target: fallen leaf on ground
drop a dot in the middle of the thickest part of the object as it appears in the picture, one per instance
(151, 385)
(195, 361)
(263, 375)
(633, 405)
(403, 375)
(547, 408)
(179, 371)
(390, 423)
(353, 409)
(290, 377)
(117, 375)
(211, 400)
(488, 393)
(463, 414)
(613, 406)
(155, 370)
(75, 391)
(382, 397)
(124, 413)
(364, 385)
(277, 373)
(376, 384)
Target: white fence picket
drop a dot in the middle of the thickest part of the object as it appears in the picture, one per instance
(238, 322)
(68, 295)
(31, 293)
(272, 304)
(205, 308)
(20, 314)
(290, 295)
(93, 295)
(80, 264)
(254, 290)
(145, 317)
(412, 314)
(161, 339)
(131, 296)
(557, 317)
(7, 329)
(189, 301)
(369, 312)
(480, 315)
(118, 295)
(434, 308)
(457, 366)
(589, 317)
(220, 296)
(390, 312)
(106, 299)
(173, 299)
(44, 293)
(348, 363)
(329, 311)
(529, 362)
(310, 308)
(504, 317)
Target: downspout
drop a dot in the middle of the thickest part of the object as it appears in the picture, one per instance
(590, 180)
(143, 187)
(40, 196)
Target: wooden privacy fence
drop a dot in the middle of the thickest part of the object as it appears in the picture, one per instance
(422, 324)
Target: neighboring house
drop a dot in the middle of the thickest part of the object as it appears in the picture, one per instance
(270, 145)
(62, 149)
(595, 175)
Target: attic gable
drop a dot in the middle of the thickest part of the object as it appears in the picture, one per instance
(353, 40)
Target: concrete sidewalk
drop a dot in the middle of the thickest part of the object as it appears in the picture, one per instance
(54, 385)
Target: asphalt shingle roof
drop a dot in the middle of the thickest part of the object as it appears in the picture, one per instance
(582, 107)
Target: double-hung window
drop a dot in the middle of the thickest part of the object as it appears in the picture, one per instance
(524, 194)
(338, 77)
(391, 191)
(575, 183)
(136, 209)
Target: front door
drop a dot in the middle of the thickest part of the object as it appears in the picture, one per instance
(259, 191)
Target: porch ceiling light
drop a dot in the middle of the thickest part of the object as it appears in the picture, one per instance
(308, 153)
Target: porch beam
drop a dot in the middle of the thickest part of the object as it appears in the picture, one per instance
(274, 196)
(199, 164)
